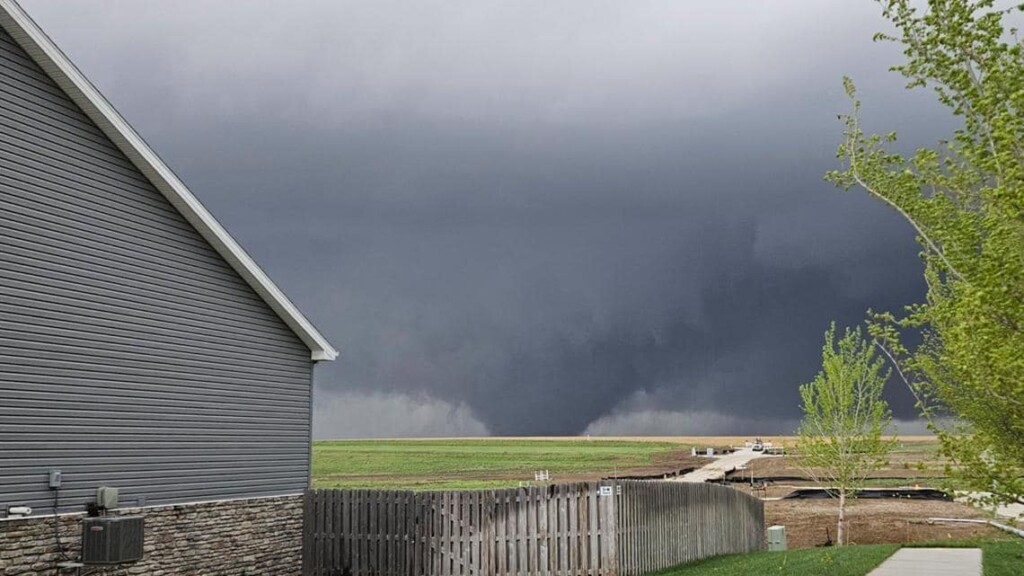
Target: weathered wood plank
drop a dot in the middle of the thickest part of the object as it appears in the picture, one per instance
(444, 534)
(398, 545)
(611, 528)
(503, 535)
(373, 505)
(419, 535)
(473, 526)
(543, 539)
(459, 533)
(488, 556)
(318, 511)
(365, 533)
(387, 533)
(436, 527)
(522, 535)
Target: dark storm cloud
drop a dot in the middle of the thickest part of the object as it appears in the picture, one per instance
(529, 217)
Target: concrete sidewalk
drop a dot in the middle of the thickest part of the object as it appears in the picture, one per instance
(717, 468)
(931, 562)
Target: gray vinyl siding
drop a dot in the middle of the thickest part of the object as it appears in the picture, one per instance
(131, 354)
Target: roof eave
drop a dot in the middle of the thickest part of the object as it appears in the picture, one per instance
(46, 54)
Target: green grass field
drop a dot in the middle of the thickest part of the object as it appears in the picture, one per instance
(1000, 557)
(847, 561)
(476, 464)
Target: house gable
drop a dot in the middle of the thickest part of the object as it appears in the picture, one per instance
(133, 353)
(26, 34)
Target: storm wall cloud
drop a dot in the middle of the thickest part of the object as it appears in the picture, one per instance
(531, 217)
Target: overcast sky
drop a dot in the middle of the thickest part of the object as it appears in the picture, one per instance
(531, 217)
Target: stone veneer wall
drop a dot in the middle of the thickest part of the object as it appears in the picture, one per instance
(257, 537)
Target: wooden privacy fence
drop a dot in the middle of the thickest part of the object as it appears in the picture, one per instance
(587, 529)
(662, 524)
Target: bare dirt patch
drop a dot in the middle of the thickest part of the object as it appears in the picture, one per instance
(915, 463)
(874, 521)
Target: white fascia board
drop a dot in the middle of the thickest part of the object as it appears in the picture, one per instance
(45, 53)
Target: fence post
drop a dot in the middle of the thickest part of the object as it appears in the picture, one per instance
(610, 529)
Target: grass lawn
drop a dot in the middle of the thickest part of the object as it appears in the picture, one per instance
(474, 464)
(1001, 557)
(846, 561)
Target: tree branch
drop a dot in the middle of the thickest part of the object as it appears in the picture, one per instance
(931, 244)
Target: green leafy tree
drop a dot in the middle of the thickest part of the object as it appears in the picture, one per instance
(965, 200)
(845, 432)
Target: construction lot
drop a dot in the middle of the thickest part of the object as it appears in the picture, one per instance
(915, 464)
(811, 523)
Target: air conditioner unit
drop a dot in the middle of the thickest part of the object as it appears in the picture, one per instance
(112, 539)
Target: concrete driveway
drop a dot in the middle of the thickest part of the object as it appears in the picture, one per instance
(719, 466)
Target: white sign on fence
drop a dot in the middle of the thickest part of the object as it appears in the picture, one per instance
(605, 491)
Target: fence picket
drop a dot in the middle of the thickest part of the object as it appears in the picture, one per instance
(535, 512)
(487, 554)
(437, 522)
(391, 521)
(404, 544)
(419, 518)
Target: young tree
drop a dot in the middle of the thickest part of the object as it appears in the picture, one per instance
(844, 435)
(965, 200)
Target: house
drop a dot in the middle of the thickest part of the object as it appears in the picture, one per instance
(140, 347)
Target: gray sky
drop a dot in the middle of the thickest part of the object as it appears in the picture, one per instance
(531, 217)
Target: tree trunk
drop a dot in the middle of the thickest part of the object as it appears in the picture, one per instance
(841, 528)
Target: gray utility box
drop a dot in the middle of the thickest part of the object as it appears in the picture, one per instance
(777, 538)
(112, 539)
